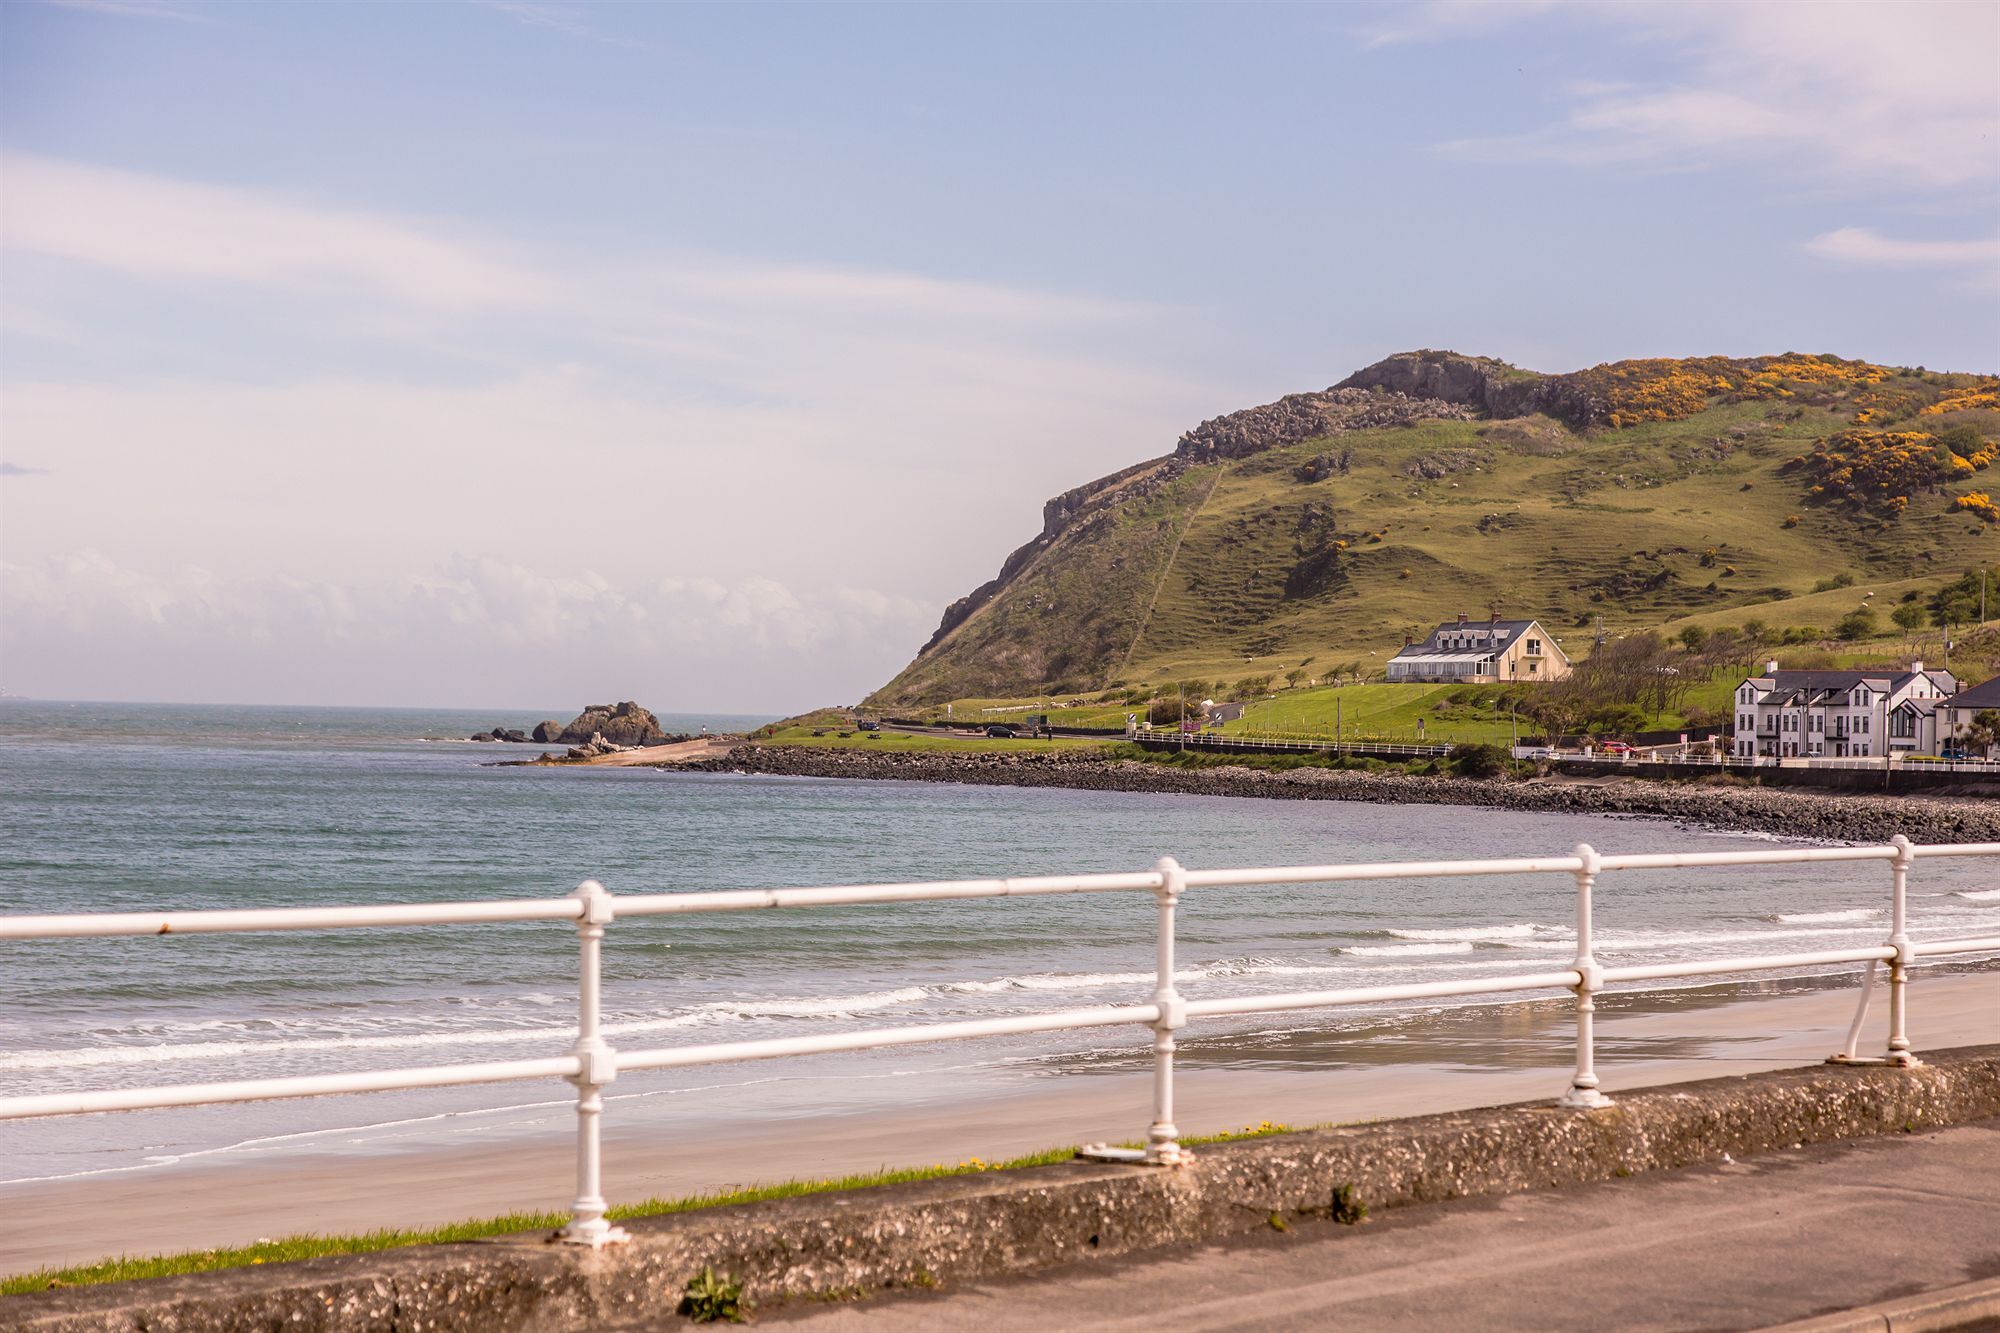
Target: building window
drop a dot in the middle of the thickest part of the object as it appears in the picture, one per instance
(1534, 647)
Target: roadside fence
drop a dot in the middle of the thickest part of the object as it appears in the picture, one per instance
(591, 1063)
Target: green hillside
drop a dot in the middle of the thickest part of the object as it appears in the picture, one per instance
(1330, 525)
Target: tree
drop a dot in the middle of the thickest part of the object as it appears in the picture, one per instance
(1910, 618)
(1294, 676)
(1856, 625)
(1984, 733)
(1693, 637)
(1957, 602)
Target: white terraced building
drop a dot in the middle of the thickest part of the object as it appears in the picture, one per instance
(1489, 650)
(1839, 714)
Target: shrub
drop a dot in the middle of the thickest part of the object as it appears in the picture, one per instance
(1980, 503)
(1479, 761)
(1856, 625)
(1873, 467)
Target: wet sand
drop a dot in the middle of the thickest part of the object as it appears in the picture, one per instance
(1463, 1058)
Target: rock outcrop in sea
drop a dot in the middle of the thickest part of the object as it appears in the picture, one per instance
(619, 725)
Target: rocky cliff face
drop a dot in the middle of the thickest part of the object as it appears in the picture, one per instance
(1298, 417)
(1068, 514)
(1479, 382)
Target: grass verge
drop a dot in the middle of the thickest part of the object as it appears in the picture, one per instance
(286, 1249)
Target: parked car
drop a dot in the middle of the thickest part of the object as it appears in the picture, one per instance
(1619, 748)
(867, 724)
(1538, 752)
(999, 732)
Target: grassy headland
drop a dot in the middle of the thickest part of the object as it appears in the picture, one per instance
(1708, 492)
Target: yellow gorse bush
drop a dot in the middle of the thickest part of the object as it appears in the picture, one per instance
(1983, 394)
(1980, 503)
(1873, 467)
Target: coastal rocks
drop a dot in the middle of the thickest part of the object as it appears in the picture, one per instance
(596, 747)
(624, 724)
(1834, 818)
(621, 726)
(1321, 466)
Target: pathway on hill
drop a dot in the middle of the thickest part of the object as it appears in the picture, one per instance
(1748, 1244)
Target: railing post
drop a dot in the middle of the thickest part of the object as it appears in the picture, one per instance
(598, 1065)
(1163, 1137)
(1163, 1146)
(1583, 1094)
(1899, 939)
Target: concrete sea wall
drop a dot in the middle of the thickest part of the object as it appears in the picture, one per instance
(973, 1227)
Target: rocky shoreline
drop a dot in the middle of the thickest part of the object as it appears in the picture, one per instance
(1871, 817)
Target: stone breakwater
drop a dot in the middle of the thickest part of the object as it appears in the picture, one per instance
(1871, 817)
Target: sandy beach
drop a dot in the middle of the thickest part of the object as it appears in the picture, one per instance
(1464, 1058)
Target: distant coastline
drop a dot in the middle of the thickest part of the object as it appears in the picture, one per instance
(1841, 818)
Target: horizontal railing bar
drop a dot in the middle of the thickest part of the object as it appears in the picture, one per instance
(229, 920)
(1977, 945)
(1769, 962)
(1379, 870)
(739, 900)
(1431, 990)
(1776, 856)
(218, 921)
(273, 1089)
(730, 1051)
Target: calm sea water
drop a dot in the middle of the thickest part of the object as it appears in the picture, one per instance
(126, 807)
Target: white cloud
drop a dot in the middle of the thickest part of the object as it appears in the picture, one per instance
(73, 620)
(397, 393)
(1865, 245)
(144, 9)
(155, 228)
(1860, 93)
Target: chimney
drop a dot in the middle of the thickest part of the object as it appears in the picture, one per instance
(1495, 620)
(1461, 617)
(1771, 667)
(1407, 641)
(1917, 667)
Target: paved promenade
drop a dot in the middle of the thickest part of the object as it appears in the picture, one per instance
(1741, 1245)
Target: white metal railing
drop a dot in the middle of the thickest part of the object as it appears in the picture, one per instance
(591, 1063)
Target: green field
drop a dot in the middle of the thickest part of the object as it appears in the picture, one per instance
(896, 742)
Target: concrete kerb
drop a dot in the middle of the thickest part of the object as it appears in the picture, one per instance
(1971, 1305)
(971, 1227)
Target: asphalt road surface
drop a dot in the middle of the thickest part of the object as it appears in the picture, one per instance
(1781, 1237)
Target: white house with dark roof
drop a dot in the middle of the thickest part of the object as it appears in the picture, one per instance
(1955, 717)
(1840, 714)
(1487, 650)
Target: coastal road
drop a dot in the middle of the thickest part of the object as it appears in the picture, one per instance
(1780, 1237)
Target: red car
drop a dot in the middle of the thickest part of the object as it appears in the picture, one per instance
(1617, 747)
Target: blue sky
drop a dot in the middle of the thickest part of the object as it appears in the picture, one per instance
(515, 353)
